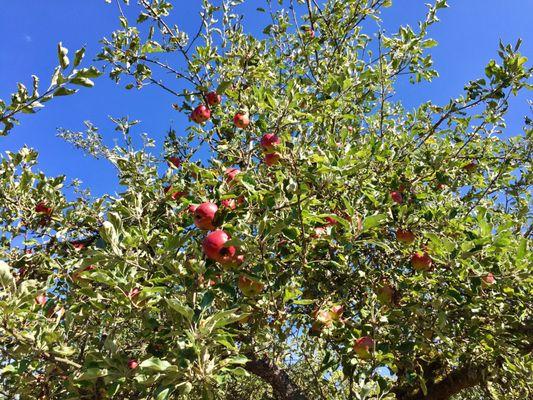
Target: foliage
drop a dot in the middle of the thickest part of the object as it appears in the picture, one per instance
(29, 102)
(126, 279)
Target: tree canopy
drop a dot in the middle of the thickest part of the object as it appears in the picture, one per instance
(305, 236)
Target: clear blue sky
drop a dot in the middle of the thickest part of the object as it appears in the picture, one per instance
(468, 37)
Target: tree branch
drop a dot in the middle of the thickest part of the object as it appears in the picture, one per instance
(282, 385)
(456, 381)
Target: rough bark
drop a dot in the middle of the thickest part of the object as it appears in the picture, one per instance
(456, 381)
(283, 386)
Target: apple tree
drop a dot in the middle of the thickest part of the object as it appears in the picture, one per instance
(303, 236)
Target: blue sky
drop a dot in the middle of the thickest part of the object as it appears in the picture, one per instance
(468, 37)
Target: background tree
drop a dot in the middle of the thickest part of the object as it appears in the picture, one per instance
(308, 238)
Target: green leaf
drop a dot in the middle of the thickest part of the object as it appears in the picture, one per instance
(6, 277)
(155, 364)
(182, 309)
(62, 56)
(78, 57)
(63, 91)
(163, 394)
(522, 249)
(93, 373)
(223, 86)
(373, 220)
(82, 82)
(207, 300)
(304, 302)
(110, 235)
(220, 320)
(64, 350)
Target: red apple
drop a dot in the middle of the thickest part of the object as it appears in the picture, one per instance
(421, 261)
(42, 208)
(269, 142)
(77, 276)
(337, 311)
(396, 197)
(214, 247)
(174, 161)
(250, 287)
(213, 98)
(331, 221)
(319, 231)
(364, 346)
(78, 244)
(201, 114)
(405, 236)
(229, 204)
(241, 120)
(174, 194)
(132, 364)
(204, 215)
(272, 159)
(329, 315)
(192, 208)
(41, 299)
(488, 280)
(133, 293)
(231, 173)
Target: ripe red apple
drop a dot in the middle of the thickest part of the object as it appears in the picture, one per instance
(192, 208)
(269, 142)
(250, 287)
(132, 364)
(78, 244)
(421, 261)
(229, 204)
(78, 276)
(241, 120)
(204, 215)
(396, 197)
(272, 159)
(213, 98)
(488, 280)
(319, 231)
(214, 247)
(325, 317)
(133, 293)
(41, 299)
(364, 346)
(42, 208)
(328, 315)
(405, 236)
(174, 194)
(331, 221)
(174, 161)
(231, 173)
(201, 114)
